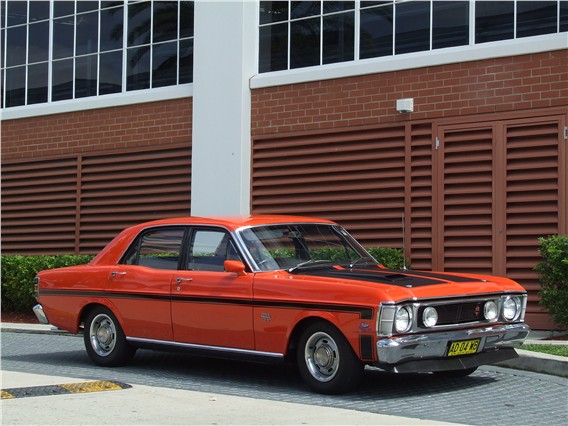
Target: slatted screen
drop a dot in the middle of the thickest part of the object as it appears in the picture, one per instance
(533, 166)
(355, 178)
(467, 199)
(39, 206)
(78, 204)
(476, 202)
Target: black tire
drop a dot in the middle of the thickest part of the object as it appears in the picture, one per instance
(326, 361)
(456, 373)
(104, 339)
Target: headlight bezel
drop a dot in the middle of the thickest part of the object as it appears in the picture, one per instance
(406, 317)
(513, 302)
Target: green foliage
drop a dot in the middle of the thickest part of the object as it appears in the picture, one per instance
(553, 272)
(558, 350)
(18, 272)
(17, 277)
(390, 257)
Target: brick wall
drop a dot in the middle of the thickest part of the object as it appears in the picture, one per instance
(124, 127)
(495, 85)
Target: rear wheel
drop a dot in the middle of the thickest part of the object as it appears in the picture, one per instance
(104, 339)
(326, 361)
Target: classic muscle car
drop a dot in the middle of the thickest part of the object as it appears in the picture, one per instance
(279, 288)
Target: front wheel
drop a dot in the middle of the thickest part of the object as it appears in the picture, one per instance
(326, 361)
(104, 339)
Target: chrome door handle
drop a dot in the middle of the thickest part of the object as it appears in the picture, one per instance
(180, 280)
(115, 274)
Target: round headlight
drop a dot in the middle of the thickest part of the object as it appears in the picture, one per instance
(511, 308)
(490, 311)
(430, 316)
(403, 319)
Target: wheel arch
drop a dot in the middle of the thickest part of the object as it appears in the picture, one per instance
(298, 329)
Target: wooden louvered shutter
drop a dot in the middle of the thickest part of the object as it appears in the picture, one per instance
(39, 206)
(535, 184)
(78, 204)
(356, 178)
(465, 199)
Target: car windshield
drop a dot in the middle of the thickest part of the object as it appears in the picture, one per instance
(297, 246)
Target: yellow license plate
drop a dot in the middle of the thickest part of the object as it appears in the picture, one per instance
(463, 347)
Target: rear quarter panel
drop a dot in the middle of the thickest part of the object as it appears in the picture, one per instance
(64, 292)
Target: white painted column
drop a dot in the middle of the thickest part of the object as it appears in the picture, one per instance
(224, 62)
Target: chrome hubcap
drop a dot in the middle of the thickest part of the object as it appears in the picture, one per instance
(102, 335)
(322, 356)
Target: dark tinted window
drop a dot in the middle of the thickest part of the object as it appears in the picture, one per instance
(139, 16)
(303, 9)
(536, 17)
(63, 8)
(62, 80)
(112, 29)
(37, 83)
(165, 21)
(186, 61)
(39, 10)
(305, 43)
(337, 6)
(412, 28)
(338, 37)
(273, 11)
(38, 42)
(110, 74)
(63, 34)
(86, 76)
(273, 48)
(17, 13)
(157, 248)
(16, 52)
(186, 19)
(15, 86)
(450, 24)
(494, 20)
(376, 32)
(87, 33)
(164, 64)
(138, 68)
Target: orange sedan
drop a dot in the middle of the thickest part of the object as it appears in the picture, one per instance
(279, 288)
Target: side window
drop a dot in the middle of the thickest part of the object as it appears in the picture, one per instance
(157, 248)
(209, 249)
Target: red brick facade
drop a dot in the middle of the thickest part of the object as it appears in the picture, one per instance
(124, 127)
(504, 84)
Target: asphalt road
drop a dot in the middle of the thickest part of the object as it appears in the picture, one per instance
(492, 395)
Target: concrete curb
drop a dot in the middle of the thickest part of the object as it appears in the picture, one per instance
(527, 360)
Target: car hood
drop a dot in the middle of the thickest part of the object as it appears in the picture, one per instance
(399, 285)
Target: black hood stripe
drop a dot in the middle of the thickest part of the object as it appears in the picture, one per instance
(402, 278)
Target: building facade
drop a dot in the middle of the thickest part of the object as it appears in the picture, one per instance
(119, 112)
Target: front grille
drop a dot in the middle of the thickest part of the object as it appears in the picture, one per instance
(458, 313)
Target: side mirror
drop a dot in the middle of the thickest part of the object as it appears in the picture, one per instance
(235, 266)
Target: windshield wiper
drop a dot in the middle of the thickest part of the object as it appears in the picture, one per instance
(363, 260)
(310, 262)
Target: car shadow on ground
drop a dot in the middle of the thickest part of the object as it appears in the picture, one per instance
(191, 372)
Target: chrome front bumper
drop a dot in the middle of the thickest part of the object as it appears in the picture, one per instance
(427, 352)
(40, 314)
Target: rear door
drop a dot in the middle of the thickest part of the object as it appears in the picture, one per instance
(139, 287)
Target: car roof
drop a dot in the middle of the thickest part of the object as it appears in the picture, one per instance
(112, 252)
(233, 222)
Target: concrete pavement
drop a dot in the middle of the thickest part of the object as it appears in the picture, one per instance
(154, 405)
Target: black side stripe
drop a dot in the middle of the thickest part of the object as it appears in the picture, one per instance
(364, 312)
